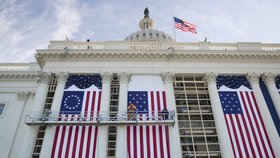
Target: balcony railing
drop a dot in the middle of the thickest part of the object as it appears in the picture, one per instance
(166, 45)
(101, 118)
(13, 68)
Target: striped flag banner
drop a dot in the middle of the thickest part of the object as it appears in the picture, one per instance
(245, 125)
(82, 96)
(147, 141)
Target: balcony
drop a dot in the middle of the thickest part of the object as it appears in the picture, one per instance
(100, 118)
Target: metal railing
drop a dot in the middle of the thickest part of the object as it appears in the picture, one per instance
(101, 118)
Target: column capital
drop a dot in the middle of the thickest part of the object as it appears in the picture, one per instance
(43, 77)
(62, 76)
(253, 77)
(211, 76)
(168, 77)
(124, 77)
(22, 95)
(106, 77)
(269, 77)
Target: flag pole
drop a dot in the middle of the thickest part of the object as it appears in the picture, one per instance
(173, 27)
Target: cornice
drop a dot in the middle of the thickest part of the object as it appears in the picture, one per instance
(60, 54)
(18, 75)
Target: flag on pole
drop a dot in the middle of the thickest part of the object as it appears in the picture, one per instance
(184, 26)
(147, 93)
(82, 96)
(245, 125)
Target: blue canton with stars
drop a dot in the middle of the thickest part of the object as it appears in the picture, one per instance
(230, 103)
(278, 82)
(233, 82)
(84, 81)
(139, 99)
(72, 102)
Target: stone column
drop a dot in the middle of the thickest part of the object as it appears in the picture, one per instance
(268, 122)
(221, 127)
(38, 107)
(269, 79)
(50, 130)
(175, 142)
(24, 99)
(104, 109)
(42, 91)
(59, 91)
(121, 145)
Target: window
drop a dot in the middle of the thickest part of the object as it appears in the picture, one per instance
(2, 108)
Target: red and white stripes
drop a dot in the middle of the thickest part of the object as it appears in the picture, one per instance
(150, 141)
(247, 131)
(78, 141)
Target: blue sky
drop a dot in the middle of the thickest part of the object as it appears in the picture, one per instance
(26, 25)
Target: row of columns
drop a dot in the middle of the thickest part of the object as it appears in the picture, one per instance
(253, 78)
(124, 77)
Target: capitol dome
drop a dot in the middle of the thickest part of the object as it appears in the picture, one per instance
(147, 32)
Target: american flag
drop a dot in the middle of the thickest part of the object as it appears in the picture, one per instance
(147, 141)
(82, 96)
(245, 125)
(184, 26)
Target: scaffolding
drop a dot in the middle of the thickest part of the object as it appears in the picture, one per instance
(100, 118)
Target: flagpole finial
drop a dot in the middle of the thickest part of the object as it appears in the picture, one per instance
(146, 13)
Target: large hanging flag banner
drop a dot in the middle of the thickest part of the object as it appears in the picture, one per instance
(146, 94)
(82, 96)
(245, 125)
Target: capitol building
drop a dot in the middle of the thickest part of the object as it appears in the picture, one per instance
(146, 96)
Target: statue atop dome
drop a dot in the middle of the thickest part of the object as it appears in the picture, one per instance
(146, 13)
(147, 32)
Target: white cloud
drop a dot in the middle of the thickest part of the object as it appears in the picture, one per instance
(68, 19)
(20, 31)
(10, 35)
